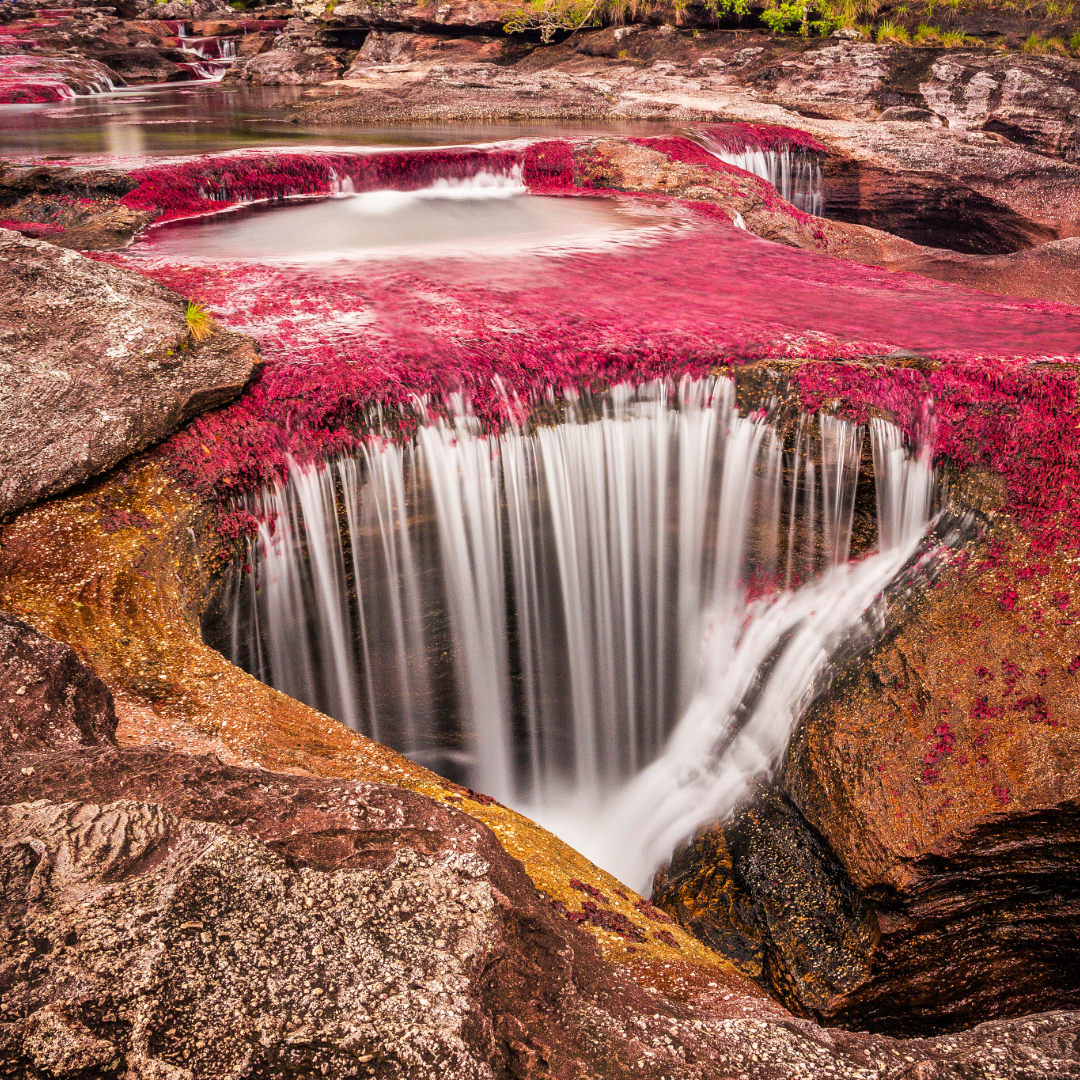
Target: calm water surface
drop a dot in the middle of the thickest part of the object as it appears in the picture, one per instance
(193, 118)
(468, 219)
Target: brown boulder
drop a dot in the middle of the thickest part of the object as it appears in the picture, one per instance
(255, 43)
(216, 27)
(142, 65)
(209, 919)
(166, 915)
(49, 699)
(1032, 100)
(96, 363)
(288, 67)
(916, 865)
(380, 48)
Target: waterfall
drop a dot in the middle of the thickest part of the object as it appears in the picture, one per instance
(796, 174)
(615, 618)
(758, 676)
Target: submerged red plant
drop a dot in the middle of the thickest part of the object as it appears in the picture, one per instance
(214, 181)
(349, 350)
(1008, 417)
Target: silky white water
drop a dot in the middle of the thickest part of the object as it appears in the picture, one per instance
(796, 174)
(612, 622)
(488, 215)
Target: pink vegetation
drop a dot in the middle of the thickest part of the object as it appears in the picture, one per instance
(690, 153)
(27, 80)
(1015, 420)
(738, 138)
(32, 228)
(211, 183)
(341, 341)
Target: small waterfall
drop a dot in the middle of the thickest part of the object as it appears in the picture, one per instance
(904, 494)
(759, 673)
(796, 174)
(616, 618)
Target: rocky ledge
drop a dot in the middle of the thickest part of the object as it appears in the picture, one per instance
(96, 363)
(168, 916)
(979, 156)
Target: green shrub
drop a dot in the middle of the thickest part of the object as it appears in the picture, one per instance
(551, 16)
(784, 16)
(926, 34)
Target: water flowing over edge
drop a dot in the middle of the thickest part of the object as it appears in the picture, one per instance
(640, 586)
(796, 174)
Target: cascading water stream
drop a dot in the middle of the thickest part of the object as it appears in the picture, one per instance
(796, 174)
(615, 619)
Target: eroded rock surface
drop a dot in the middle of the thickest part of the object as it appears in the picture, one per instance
(49, 699)
(915, 865)
(169, 916)
(296, 58)
(96, 363)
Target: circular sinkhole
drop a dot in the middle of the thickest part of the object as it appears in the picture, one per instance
(610, 617)
(489, 214)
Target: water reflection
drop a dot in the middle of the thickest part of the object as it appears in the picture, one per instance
(191, 118)
(124, 139)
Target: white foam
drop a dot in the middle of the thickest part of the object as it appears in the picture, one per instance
(484, 185)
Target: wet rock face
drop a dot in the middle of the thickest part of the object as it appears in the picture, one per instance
(927, 208)
(49, 699)
(914, 867)
(1049, 271)
(297, 57)
(95, 364)
(26, 80)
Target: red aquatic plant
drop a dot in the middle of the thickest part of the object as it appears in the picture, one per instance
(738, 138)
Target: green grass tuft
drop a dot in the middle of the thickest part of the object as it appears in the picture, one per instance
(889, 31)
(200, 325)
